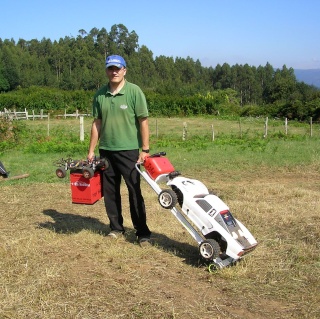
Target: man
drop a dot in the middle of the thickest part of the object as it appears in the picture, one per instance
(121, 127)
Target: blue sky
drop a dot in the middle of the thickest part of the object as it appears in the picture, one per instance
(232, 31)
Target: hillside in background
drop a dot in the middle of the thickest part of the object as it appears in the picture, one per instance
(311, 76)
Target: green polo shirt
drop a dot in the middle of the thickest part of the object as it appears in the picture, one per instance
(119, 114)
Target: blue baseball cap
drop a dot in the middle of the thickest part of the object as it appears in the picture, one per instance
(115, 60)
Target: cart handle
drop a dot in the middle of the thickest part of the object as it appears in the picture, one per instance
(152, 155)
(158, 154)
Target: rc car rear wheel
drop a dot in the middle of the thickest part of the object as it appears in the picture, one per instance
(61, 172)
(167, 198)
(87, 172)
(103, 164)
(209, 249)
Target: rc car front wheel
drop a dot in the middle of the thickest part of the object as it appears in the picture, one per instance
(61, 172)
(87, 172)
(167, 198)
(209, 249)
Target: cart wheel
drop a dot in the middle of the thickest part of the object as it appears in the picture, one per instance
(212, 268)
(167, 198)
(61, 172)
(87, 172)
(209, 249)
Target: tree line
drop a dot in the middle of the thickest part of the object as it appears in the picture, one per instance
(77, 64)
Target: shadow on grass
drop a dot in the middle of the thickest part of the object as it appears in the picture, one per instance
(65, 223)
(189, 253)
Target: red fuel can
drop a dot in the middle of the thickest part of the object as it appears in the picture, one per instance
(156, 166)
(85, 191)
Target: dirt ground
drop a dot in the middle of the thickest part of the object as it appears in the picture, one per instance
(56, 262)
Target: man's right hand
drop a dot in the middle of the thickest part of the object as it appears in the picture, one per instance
(90, 156)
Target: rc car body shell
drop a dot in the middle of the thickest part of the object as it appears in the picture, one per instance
(213, 217)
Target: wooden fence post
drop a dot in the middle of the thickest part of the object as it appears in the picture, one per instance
(184, 133)
(212, 132)
(48, 131)
(266, 128)
(286, 126)
(310, 126)
(81, 129)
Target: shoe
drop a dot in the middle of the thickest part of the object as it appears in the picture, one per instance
(115, 234)
(144, 242)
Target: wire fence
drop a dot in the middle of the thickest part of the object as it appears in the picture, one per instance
(185, 128)
(213, 128)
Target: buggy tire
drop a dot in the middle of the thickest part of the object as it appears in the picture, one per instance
(209, 249)
(103, 164)
(87, 172)
(61, 172)
(167, 198)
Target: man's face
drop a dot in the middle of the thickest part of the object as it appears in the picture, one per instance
(116, 75)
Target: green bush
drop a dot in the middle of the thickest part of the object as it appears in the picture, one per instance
(11, 133)
(48, 99)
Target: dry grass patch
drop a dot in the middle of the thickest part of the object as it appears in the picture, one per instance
(56, 262)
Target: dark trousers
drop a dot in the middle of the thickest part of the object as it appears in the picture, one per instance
(122, 164)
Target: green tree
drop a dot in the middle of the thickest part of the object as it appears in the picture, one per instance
(10, 67)
(143, 66)
(102, 42)
(4, 84)
(283, 85)
(121, 41)
(227, 78)
(264, 76)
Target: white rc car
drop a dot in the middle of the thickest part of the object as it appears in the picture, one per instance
(222, 239)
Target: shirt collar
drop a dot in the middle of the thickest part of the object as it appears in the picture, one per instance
(121, 92)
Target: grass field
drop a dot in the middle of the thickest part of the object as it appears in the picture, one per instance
(56, 262)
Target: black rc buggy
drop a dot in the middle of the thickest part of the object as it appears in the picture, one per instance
(84, 167)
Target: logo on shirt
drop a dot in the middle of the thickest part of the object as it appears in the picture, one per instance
(123, 107)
